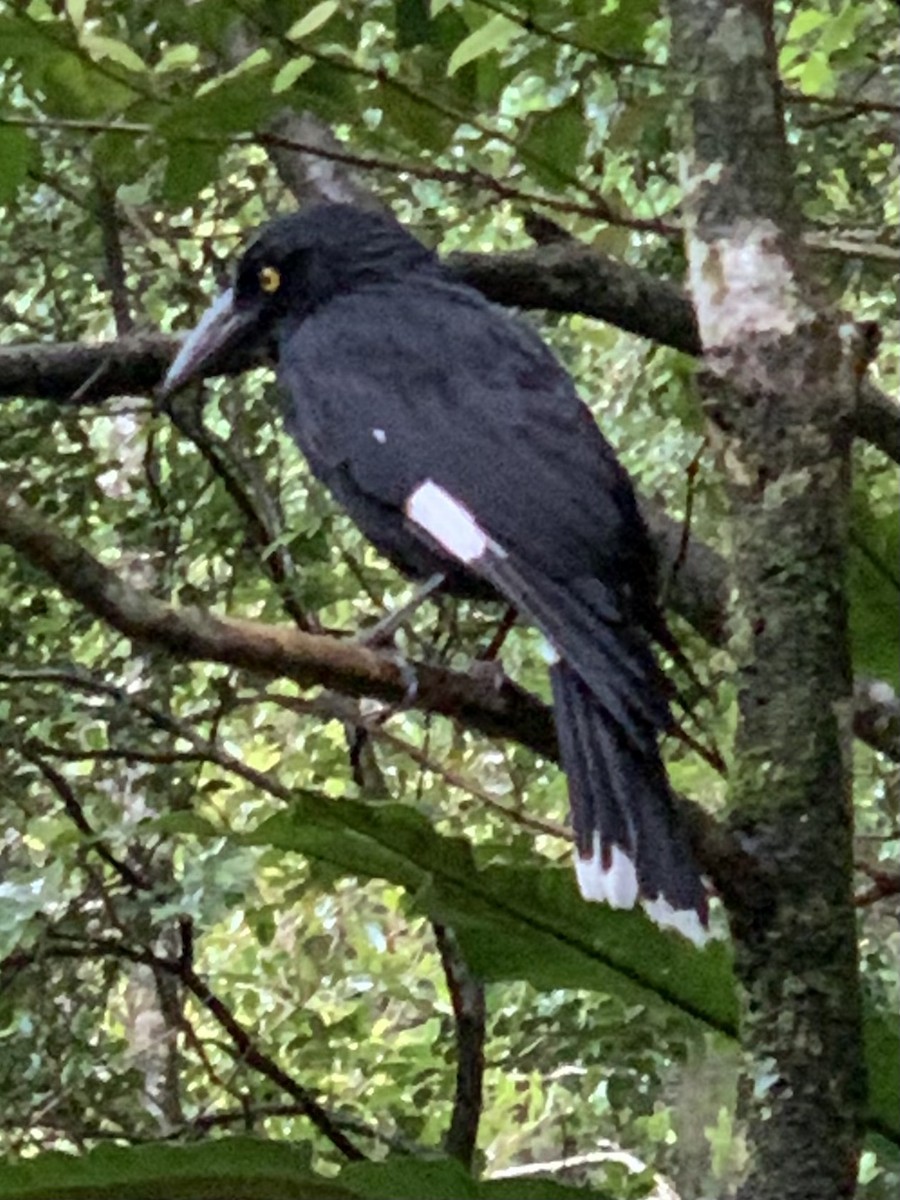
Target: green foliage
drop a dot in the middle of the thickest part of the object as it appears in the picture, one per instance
(246, 1168)
(875, 584)
(15, 152)
(249, 1169)
(514, 923)
(495, 34)
(554, 142)
(306, 903)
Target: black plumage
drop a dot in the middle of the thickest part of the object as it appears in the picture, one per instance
(457, 443)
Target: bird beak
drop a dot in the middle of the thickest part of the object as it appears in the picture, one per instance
(209, 347)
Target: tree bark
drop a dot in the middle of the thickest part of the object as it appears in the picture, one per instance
(780, 385)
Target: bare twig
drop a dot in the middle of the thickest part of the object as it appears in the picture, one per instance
(114, 257)
(577, 1164)
(334, 705)
(75, 812)
(467, 998)
(884, 885)
(258, 514)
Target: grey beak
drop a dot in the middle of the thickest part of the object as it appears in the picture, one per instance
(208, 348)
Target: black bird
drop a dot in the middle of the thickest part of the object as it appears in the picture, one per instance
(457, 443)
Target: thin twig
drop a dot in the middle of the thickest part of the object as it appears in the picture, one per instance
(469, 1011)
(274, 557)
(114, 256)
(244, 1047)
(75, 812)
(334, 705)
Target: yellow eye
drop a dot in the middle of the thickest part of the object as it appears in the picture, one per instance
(269, 279)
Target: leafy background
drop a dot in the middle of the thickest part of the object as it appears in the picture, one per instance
(136, 150)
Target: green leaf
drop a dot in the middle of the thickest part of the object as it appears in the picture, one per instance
(805, 22)
(554, 143)
(874, 583)
(495, 34)
(241, 1168)
(121, 158)
(327, 90)
(178, 57)
(15, 155)
(841, 31)
(75, 9)
(815, 77)
(244, 1168)
(415, 120)
(313, 20)
(515, 922)
(291, 72)
(444, 1179)
(403, 1179)
(241, 102)
(412, 22)
(259, 58)
(190, 166)
(882, 1052)
(183, 821)
(642, 124)
(526, 923)
(76, 88)
(617, 31)
(100, 47)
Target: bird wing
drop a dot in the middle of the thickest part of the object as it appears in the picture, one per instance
(423, 380)
(394, 387)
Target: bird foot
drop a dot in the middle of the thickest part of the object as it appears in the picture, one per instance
(488, 673)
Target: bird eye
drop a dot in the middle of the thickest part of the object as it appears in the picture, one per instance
(269, 279)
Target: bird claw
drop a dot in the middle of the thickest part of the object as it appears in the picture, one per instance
(488, 673)
(410, 681)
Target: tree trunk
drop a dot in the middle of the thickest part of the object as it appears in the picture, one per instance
(780, 386)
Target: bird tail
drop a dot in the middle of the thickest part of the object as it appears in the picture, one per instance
(610, 703)
(629, 842)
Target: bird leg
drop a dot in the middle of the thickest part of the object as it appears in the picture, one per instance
(381, 635)
(385, 630)
(495, 645)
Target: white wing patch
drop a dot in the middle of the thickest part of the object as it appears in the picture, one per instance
(380, 436)
(449, 522)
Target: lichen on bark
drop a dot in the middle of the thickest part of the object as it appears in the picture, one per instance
(780, 386)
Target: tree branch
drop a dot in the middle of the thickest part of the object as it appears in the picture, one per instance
(698, 592)
(250, 1054)
(256, 508)
(558, 277)
(501, 710)
(268, 650)
(76, 814)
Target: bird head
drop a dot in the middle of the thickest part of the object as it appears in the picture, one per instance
(294, 265)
